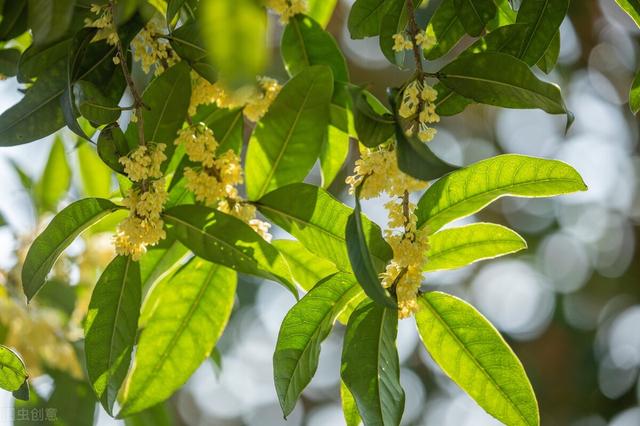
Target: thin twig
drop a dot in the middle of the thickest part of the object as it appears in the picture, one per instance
(414, 30)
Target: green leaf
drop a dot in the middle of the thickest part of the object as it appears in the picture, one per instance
(499, 79)
(550, 57)
(341, 109)
(321, 10)
(333, 155)
(318, 221)
(304, 44)
(227, 126)
(474, 355)
(61, 231)
(393, 22)
(468, 190)
(13, 373)
(191, 312)
(475, 14)
(37, 60)
(543, 19)
(188, 44)
(49, 19)
(634, 94)
(370, 366)
(445, 28)
(235, 32)
(307, 269)
(632, 7)
(160, 261)
(373, 122)
(366, 16)
(349, 408)
(14, 19)
(505, 16)
(287, 141)
(303, 329)
(457, 247)
(112, 145)
(93, 104)
(9, 62)
(173, 9)
(95, 175)
(449, 102)
(158, 415)
(23, 392)
(110, 328)
(360, 258)
(226, 240)
(55, 180)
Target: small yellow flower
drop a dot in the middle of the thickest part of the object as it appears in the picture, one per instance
(151, 50)
(287, 8)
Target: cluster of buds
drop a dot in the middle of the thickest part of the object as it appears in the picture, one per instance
(402, 41)
(104, 24)
(151, 50)
(418, 106)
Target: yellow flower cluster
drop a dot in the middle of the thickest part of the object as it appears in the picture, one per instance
(215, 182)
(104, 24)
(144, 226)
(152, 51)
(254, 101)
(418, 98)
(401, 42)
(287, 8)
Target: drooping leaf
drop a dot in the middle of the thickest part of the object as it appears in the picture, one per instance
(360, 258)
(9, 62)
(188, 318)
(287, 141)
(632, 8)
(111, 326)
(365, 17)
(55, 180)
(226, 240)
(468, 190)
(333, 155)
(57, 236)
(302, 331)
(349, 408)
(235, 33)
(445, 29)
(474, 355)
(499, 79)
(457, 247)
(374, 124)
(550, 57)
(49, 19)
(307, 269)
(318, 221)
(543, 19)
(370, 367)
(95, 175)
(475, 14)
(634, 94)
(13, 373)
(321, 10)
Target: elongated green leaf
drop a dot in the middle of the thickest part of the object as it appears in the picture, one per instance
(57, 236)
(634, 94)
(543, 19)
(321, 10)
(470, 189)
(303, 329)
(449, 102)
(305, 43)
(14, 19)
(475, 14)
(49, 19)
(373, 122)
(474, 355)
(13, 373)
(55, 180)
(349, 408)
(370, 367)
(188, 318)
(333, 155)
(505, 16)
(318, 221)
(307, 269)
(235, 32)
(161, 260)
(188, 44)
(9, 62)
(287, 141)
(226, 240)
(499, 79)
(458, 247)
(365, 17)
(393, 22)
(93, 104)
(111, 326)
(173, 9)
(445, 28)
(550, 57)
(36, 60)
(632, 7)
(96, 176)
(360, 258)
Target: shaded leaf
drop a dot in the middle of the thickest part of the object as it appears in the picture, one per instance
(373, 122)
(111, 146)
(475, 14)
(632, 8)
(393, 22)
(55, 180)
(543, 19)
(550, 57)
(49, 19)
(227, 126)
(445, 28)
(93, 105)
(37, 60)
(188, 44)
(365, 17)
(634, 94)
(449, 102)
(9, 62)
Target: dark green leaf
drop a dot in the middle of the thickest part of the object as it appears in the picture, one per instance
(550, 57)
(475, 14)
(57, 236)
(373, 122)
(23, 392)
(9, 62)
(55, 180)
(93, 105)
(111, 146)
(37, 60)
(449, 102)
(370, 366)
(307, 269)
(303, 329)
(14, 19)
(158, 415)
(287, 141)
(366, 16)
(445, 28)
(173, 9)
(49, 19)
(543, 19)
(632, 7)
(13, 373)
(110, 328)
(634, 94)
(188, 44)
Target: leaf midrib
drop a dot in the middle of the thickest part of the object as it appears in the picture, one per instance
(527, 43)
(470, 244)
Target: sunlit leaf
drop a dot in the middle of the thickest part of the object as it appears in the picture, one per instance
(445, 28)
(55, 180)
(95, 175)
(333, 155)
(13, 373)
(321, 10)
(307, 269)
(550, 57)
(632, 7)
(349, 408)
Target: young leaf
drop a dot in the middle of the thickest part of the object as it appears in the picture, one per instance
(474, 355)
(632, 7)
(470, 189)
(318, 221)
(373, 122)
(13, 373)
(188, 318)
(333, 155)
(457, 247)
(445, 28)
(111, 326)
(226, 240)
(287, 141)
(49, 19)
(370, 367)
(360, 258)
(634, 94)
(499, 79)
(302, 331)
(543, 19)
(57, 236)
(307, 269)
(321, 10)
(305, 43)
(55, 180)
(475, 14)
(366, 16)
(349, 408)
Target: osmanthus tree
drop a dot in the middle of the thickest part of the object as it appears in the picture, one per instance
(166, 91)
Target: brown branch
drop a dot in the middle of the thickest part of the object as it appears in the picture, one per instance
(414, 30)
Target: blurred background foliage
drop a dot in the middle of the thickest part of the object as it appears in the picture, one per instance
(569, 305)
